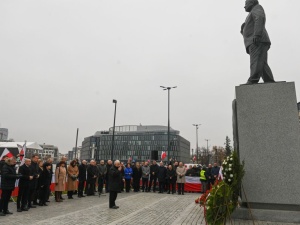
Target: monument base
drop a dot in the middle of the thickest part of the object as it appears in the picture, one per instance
(267, 215)
(268, 135)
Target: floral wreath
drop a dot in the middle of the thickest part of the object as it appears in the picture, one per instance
(221, 200)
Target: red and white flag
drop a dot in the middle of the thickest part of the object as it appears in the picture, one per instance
(22, 150)
(163, 155)
(7, 153)
(194, 158)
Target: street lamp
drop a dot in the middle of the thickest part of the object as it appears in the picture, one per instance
(207, 150)
(113, 137)
(168, 88)
(197, 150)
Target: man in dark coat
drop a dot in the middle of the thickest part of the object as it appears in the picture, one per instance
(153, 175)
(171, 179)
(23, 193)
(102, 175)
(257, 42)
(8, 179)
(137, 175)
(114, 184)
(108, 166)
(81, 178)
(161, 176)
(92, 173)
(50, 161)
(33, 184)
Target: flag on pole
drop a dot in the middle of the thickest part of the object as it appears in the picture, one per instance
(22, 150)
(163, 155)
(7, 153)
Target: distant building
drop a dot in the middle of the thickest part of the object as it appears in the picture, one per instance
(76, 153)
(49, 151)
(3, 134)
(70, 155)
(139, 143)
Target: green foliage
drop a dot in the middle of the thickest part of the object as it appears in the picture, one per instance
(223, 198)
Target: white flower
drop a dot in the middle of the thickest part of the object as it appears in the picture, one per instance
(207, 208)
(227, 157)
(226, 169)
(224, 173)
(231, 159)
(229, 169)
(230, 165)
(225, 163)
(229, 180)
(231, 175)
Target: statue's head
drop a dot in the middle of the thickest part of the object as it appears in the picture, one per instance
(250, 4)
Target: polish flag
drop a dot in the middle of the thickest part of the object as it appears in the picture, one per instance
(163, 155)
(6, 153)
(22, 150)
(194, 158)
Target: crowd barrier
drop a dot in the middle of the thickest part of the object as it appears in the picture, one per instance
(192, 184)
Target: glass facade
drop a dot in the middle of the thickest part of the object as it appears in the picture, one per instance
(138, 145)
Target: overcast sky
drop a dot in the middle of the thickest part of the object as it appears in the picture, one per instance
(63, 61)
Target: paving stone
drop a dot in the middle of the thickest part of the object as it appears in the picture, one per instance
(135, 208)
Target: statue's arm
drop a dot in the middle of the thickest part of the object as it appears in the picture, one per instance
(259, 24)
(242, 28)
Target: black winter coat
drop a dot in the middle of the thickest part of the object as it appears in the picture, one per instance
(171, 175)
(108, 169)
(2, 162)
(82, 172)
(24, 180)
(114, 177)
(162, 173)
(137, 173)
(45, 179)
(154, 169)
(8, 177)
(91, 172)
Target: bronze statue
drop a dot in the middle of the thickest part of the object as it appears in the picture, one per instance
(257, 42)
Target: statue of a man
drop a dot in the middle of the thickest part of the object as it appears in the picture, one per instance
(257, 42)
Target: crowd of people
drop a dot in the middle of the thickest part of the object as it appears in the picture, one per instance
(83, 179)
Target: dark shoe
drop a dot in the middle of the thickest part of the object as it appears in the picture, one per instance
(2, 214)
(61, 198)
(47, 201)
(41, 204)
(32, 206)
(7, 212)
(182, 193)
(70, 197)
(82, 195)
(24, 209)
(35, 203)
(114, 207)
(19, 210)
(169, 192)
(45, 204)
(79, 196)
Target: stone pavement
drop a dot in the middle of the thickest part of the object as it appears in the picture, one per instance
(135, 208)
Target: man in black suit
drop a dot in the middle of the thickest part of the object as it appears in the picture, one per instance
(81, 178)
(23, 193)
(92, 173)
(257, 42)
(33, 184)
(114, 175)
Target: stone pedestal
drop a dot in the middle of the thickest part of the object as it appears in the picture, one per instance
(268, 134)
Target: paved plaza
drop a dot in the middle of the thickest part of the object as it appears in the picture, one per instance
(135, 208)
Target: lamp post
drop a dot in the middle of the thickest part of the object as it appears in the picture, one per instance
(197, 150)
(207, 150)
(168, 88)
(113, 137)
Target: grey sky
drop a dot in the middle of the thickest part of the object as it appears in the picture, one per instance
(63, 61)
